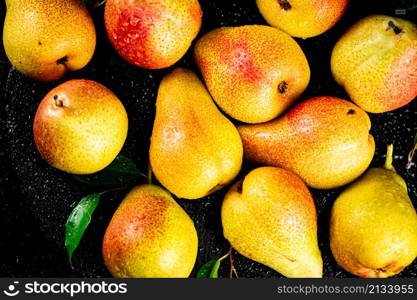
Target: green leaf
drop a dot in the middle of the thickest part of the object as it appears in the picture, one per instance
(206, 269)
(215, 271)
(78, 221)
(121, 171)
(211, 268)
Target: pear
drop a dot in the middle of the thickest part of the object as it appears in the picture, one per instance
(375, 61)
(80, 127)
(152, 34)
(302, 18)
(324, 140)
(195, 150)
(270, 217)
(373, 224)
(253, 72)
(149, 236)
(44, 39)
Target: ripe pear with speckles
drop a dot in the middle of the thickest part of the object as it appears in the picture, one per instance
(150, 236)
(302, 18)
(152, 34)
(270, 217)
(44, 39)
(324, 140)
(373, 224)
(195, 150)
(80, 127)
(376, 62)
(254, 73)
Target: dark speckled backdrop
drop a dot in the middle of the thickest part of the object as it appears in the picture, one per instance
(36, 199)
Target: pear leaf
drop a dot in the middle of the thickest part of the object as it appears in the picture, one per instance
(78, 221)
(205, 270)
(211, 268)
(121, 171)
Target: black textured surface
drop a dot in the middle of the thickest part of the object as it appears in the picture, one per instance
(36, 199)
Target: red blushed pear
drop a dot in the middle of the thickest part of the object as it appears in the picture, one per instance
(80, 127)
(253, 72)
(376, 62)
(149, 236)
(152, 34)
(325, 140)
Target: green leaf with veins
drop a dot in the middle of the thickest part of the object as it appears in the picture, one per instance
(78, 221)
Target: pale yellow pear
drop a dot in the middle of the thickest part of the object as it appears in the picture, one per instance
(270, 217)
(373, 226)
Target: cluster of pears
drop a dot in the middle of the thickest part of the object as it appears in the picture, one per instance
(254, 74)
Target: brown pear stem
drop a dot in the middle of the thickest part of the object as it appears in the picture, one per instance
(388, 160)
(149, 173)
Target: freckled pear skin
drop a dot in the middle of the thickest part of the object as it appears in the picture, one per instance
(253, 72)
(152, 34)
(376, 62)
(270, 217)
(302, 18)
(373, 226)
(150, 236)
(195, 150)
(324, 140)
(80, 127)
(44, 39)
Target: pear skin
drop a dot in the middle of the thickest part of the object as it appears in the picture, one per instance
(80, 127)
(44, 39)
(270, 217)
(373, 224)
(195, 150)
(302, 18)
(152, 34)
(324, 140)
(376, 62)
(253, 72)
(150, 236)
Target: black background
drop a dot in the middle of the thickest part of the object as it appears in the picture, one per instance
(36, 199)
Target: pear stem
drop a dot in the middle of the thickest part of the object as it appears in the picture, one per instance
(388, 160)
(149, 173)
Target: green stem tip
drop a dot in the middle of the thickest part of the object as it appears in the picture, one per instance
(388, 160)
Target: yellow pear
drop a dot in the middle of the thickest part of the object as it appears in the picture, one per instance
(270, 217)
(373, 225)
(80, 127)
(195, 150)
(376, 62)
(45, 38)
(150, 235)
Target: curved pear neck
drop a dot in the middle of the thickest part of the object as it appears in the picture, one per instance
(388, 160)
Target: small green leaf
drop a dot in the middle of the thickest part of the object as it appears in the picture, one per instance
(121, 171)
(211, 268)
(215, 271)
(206, 269)
(78, 221)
